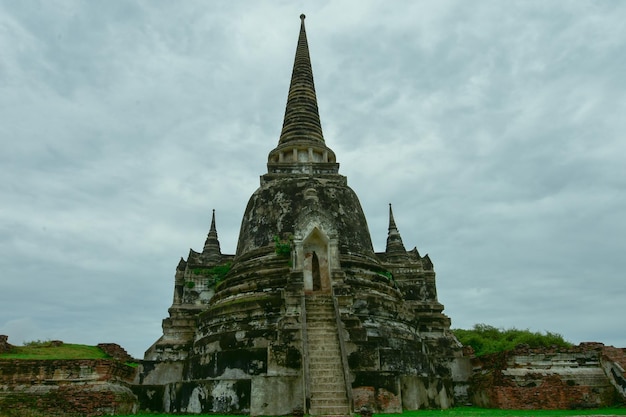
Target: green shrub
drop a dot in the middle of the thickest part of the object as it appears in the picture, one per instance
(215, 274)
(485, 339)
(37, 343)
(282, 247)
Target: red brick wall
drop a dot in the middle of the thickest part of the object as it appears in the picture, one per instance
(65, 387)
(527, 379)
(552, 393)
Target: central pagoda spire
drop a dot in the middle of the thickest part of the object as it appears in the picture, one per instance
(302, 119)
(301, 144)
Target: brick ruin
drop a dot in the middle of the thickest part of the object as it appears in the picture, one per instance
(5, 346)
(590, 375)
(86, 387)
(305, 315)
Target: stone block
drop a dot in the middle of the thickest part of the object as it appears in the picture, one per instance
(276, 395)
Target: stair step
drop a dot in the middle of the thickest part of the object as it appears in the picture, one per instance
(322, 336)
(331, 414)
(322, 365)
(330, 410)
(323, 331)
(328, 400)
(330, 320)
(320, 331)
(320, 325)
(331, 391)
(327, 354)
(329, 403)
(337, 382)
(325, 357)
(325, 379)
(322, 339)
(324, 346)
(320, 344)
(324, 370)
(323, 349)
(325, 336)
(329, 371)
(317, 326)
(323, 360)
(326, 375)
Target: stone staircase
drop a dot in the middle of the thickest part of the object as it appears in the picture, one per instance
(327, 383)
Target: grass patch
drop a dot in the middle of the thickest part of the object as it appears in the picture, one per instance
(494, 412)
(50, 351)
(465, 412)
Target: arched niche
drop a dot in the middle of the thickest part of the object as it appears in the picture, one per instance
(315, 246)
(316, 262)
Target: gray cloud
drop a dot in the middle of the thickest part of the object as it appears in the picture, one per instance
(495, 130)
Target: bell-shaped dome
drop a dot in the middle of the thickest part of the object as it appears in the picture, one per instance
(277, 207)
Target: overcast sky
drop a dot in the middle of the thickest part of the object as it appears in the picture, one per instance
(495, 128)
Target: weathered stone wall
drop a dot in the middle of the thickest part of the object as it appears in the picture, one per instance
(4, 344)
(65, 387)
(116, 352)
(613, 362)
(553, 378)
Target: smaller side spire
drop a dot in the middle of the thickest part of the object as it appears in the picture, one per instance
(395, 248)
(211, 250)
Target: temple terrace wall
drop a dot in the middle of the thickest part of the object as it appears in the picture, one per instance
(87, 387)
(586, 376)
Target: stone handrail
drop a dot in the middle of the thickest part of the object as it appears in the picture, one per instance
(305, 355)
(342, 348)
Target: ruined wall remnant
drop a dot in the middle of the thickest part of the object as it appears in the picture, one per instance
(586, 376)
(5, 346)
(88, 387)
(116, 352)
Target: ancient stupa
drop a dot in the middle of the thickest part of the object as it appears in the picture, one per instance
(305, 317)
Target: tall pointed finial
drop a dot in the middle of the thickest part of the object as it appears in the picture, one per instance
(211, 249)
(395, 247)
(302, 119)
